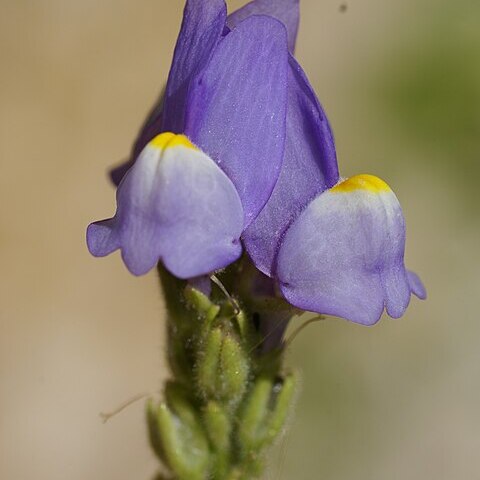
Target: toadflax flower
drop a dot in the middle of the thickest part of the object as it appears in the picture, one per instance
(211, 152)
(334, 246)
(240, 152)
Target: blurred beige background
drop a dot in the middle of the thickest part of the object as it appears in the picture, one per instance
(400, 81)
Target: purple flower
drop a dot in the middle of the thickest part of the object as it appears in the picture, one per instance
(344, 254)
(333, 246)
(240, 152)
(209, 156)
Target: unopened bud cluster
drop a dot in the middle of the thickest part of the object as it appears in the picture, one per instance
(227, 402)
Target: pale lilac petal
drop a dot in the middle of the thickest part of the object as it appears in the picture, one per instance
(396, 288)
(416, 285)
(343, 256)
(287, 11)
(237, 108)
(173, 205)
(309, 167)
(102, 240)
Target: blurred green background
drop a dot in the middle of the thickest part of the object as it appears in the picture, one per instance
(400, 82)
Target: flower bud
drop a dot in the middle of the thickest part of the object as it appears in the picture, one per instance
(219, 429)
(235, 369)
(223, 368)
(264, 414)
(178, 436)
(202, 304)
(208, 364)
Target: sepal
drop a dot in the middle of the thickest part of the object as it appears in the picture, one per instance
(205, 308)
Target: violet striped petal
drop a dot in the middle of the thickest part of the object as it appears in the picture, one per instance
(237, 108)
(309, 167)
(287, 11)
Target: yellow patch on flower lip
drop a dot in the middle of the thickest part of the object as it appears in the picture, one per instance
(361, 182)
(170, 140)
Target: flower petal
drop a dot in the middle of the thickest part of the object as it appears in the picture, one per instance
(174, 204)
(202, 28)
(416, 285)
(343, 256)
(237, 107)
(287, 11)
(309, 167)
